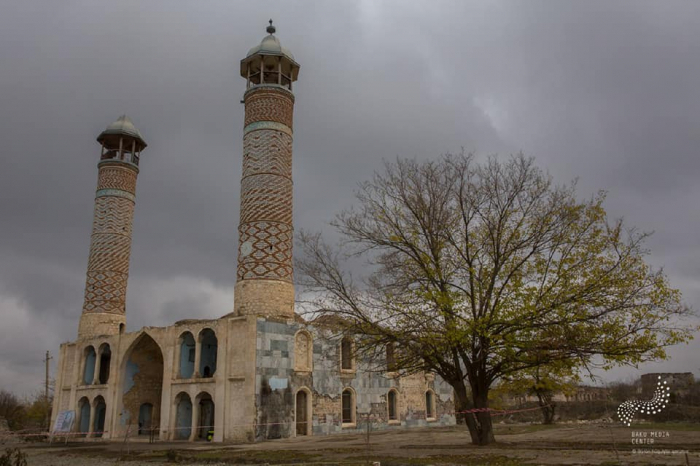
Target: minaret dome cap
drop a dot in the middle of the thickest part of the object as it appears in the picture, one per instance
(122, 128)
(270, 45)
(269, 54)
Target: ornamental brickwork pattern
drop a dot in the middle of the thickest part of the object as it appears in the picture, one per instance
(265, 230)
(267, 151)
(110, 245)
(110, 252)
(116, 177)
(269, 104)
(105, 291)
(266, 197)
(270, 254)
(113, 215)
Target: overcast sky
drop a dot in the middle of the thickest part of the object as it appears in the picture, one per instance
(603, 91)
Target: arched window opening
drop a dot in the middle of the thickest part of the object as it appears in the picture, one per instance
(393, 405)
(187, 355)
(429, 404)
(303, 352)
(89, 369)
(84, 416)
(205, 422)
(98, 426)
(390, 358)
(209, 346)
(348, 400)
(105, 360)
(183, 417)
(346, 356)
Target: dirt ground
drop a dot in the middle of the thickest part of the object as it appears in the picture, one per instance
(565, 444)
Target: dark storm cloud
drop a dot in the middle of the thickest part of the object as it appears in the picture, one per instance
(603, 91)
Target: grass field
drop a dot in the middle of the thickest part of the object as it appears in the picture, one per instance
(517, 444)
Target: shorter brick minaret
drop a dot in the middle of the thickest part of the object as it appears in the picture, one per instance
(104, 310)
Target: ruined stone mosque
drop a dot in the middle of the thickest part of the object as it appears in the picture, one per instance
(260, 372)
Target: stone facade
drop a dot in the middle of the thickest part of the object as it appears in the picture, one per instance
(254, 387)
(280, 378)
(258, 373)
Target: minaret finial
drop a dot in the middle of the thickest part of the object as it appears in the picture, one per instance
(271, 29)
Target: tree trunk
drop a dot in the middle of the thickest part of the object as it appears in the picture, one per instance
(547, 406)
(462, 404)
(483, 418)
(478, 422)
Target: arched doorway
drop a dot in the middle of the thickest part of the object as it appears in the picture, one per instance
(143, 384)
(349, 408)
(145, 418)
(84, 416)
(187, 350)
(303, 412)
(205, 422)
(209, 347)
(183, 417)
(393, 405)
(89, 365)
(105, 360)
(98, 426)
(430, 405)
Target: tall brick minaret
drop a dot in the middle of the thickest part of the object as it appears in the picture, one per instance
(265, 275)
(110, 245)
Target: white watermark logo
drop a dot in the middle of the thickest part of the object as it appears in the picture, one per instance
(627, 409)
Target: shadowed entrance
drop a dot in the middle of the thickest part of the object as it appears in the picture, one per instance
(143, 384)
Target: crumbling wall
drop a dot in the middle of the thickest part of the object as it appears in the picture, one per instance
(277, 383)
(143, 382)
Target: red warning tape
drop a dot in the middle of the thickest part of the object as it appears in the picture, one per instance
(19, 433)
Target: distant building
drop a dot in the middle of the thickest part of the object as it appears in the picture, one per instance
(679, 382)
(580, 393)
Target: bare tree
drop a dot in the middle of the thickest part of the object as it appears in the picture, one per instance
(543, 381)
(480, 271)
(12, 410)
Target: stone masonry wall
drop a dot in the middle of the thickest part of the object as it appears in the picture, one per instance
(277, 384)
(144, 381)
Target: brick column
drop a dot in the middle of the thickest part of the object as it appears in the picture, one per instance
(265, 273)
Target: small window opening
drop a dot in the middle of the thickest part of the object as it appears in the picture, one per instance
(390, 359)
(346, 354)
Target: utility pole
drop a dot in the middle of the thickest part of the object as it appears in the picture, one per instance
(46, 385)
(46, 389)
